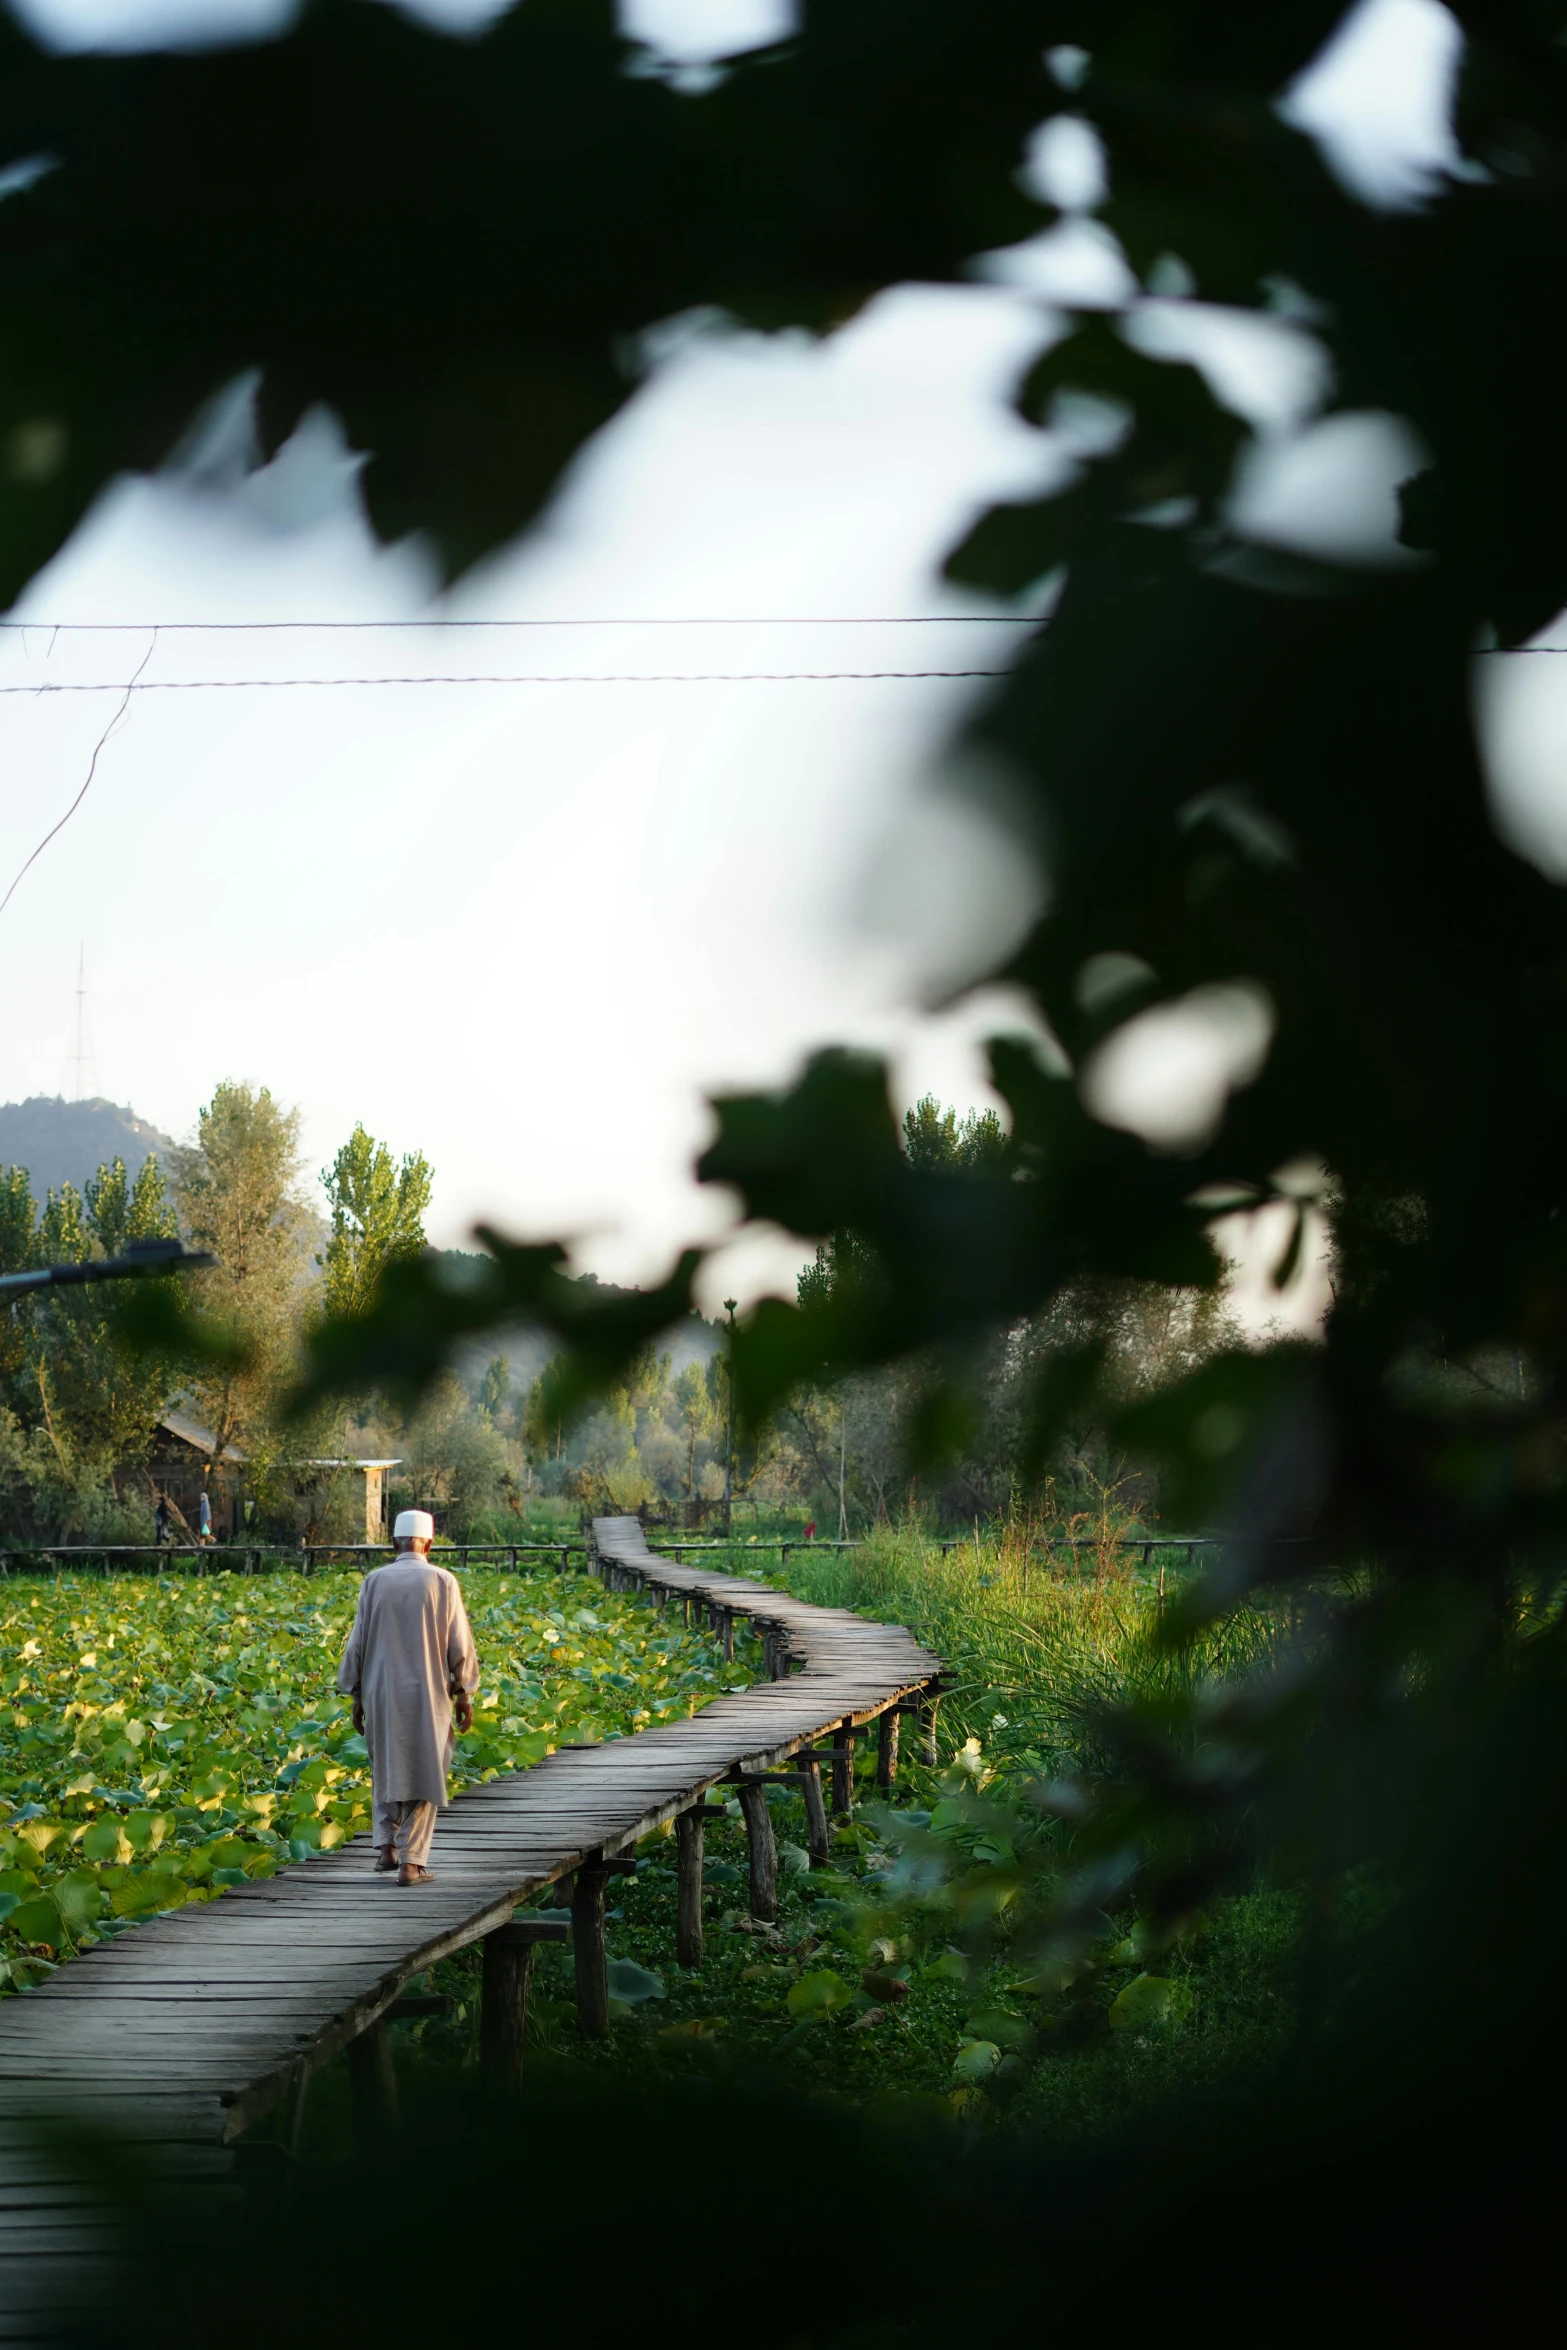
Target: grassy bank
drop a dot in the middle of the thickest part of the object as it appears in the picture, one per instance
(1034, 1643)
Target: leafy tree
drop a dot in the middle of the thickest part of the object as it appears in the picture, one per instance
(237, 1193)
(700, 1427)
(453, 1459)
(494, 1388)
(378, 1208)
(84, 1397)
(935, 1139)
(18, 1218)
(104, 1396)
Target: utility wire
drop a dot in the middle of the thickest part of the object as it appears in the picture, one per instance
(92, 768)
(228, 685)
(597, 620)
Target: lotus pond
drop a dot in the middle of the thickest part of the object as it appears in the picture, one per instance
(163, 1739)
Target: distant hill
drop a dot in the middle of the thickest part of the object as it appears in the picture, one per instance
(66, 1142)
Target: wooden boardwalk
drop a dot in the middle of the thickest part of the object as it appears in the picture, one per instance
(180, 2035)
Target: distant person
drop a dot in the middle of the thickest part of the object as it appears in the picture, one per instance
(810, 1531)
(162, 1528)
(204, 1520)
(408, 1666)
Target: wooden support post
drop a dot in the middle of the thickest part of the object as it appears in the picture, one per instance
(726, 1616)
(818, 1833)
(887, 1749)
(503, 2012)
(843, 1773)
(690, 1836)
(588, 1952)
(764, 1851)
(927, 1717)
(372, 2084)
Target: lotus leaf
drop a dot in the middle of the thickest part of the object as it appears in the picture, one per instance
(148, 1889)
(106, 1840)
(820, 1992)
(38, 1920)
(231, 1852)
(975, 2061)
(633, 1984)
(80, 1898)
(1009, 2032)
(1150, 2002)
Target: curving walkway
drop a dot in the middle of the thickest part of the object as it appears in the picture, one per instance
(182, 2034)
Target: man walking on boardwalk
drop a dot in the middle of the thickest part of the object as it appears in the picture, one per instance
(409, 1662)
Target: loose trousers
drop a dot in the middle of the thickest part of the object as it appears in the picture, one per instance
(407, 1826)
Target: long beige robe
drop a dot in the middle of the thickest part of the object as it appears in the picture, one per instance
(411, 1645)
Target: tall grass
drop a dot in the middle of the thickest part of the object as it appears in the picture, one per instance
(1036, 1645)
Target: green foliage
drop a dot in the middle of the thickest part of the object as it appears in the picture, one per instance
(378, 1210)
(424, 1307)
(161, 1740)
(237, 1190)
(1046, 1628)
(633, 1985)
(821, 1992)
(1149, 2003)
(495, 1387)
(453, 1458)
(80, 1395)
(934, 1138)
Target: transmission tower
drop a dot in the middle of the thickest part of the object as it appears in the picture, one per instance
(83, 1053)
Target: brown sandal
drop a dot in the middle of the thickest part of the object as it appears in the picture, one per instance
(385, 1860)
(412, 1874)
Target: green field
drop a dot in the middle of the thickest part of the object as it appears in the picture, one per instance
(163, 1739)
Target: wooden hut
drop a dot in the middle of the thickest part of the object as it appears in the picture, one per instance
(184, 1461)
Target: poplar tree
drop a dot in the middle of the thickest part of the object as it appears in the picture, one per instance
(378, 1207)
(237, 1190)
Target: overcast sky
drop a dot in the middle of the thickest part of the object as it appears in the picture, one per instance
(526, 927)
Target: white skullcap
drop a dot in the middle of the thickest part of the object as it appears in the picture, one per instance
(415, 1523)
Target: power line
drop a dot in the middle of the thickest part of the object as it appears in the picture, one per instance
(92, 767)
(229, 685)
(595, 620)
